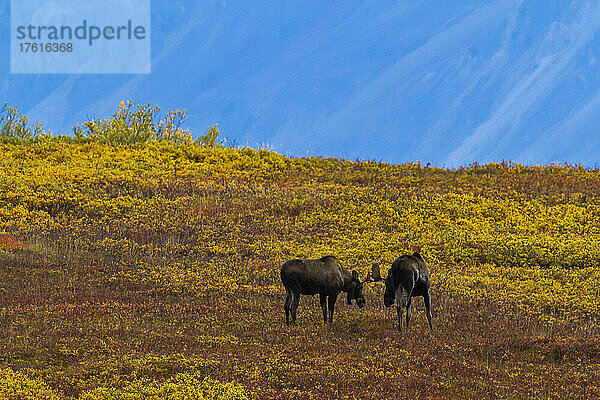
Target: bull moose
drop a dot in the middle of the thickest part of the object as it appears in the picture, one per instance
(408, 277)
(325, 277)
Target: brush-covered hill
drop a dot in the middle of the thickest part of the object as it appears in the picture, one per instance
(150, 268)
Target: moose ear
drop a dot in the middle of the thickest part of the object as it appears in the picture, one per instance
(354, 274)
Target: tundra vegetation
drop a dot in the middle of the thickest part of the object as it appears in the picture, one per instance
(136, 262)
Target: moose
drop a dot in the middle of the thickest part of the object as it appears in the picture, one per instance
(408, 277)
(325, 277)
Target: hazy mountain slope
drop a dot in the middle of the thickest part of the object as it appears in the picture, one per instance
(416, 80)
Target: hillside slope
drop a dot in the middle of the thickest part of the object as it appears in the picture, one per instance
(156, 267)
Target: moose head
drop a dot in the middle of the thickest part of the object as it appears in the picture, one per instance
(355, 293)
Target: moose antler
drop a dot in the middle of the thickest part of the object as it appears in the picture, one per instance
(374, 275)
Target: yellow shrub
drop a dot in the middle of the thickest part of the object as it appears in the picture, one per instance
(16, 386)
(180, 387)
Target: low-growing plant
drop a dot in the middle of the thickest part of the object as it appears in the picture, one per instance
(16, 385)
(179, 387)
(129, 270)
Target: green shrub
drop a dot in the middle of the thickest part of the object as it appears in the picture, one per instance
(135, 124)
(211, 138)
(131, 124)
(15, 128)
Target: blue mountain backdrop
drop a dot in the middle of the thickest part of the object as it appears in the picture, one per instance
(443, 82)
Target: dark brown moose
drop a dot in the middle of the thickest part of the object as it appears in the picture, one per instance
(325, 277)
(408, 277)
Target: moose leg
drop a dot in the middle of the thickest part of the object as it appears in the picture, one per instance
(323, 299)
(295, 301)
(427, 300)
(399, 310)
(408, 309)
(286, 306)
(407, 293)
(331, 301)
(400, 304)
